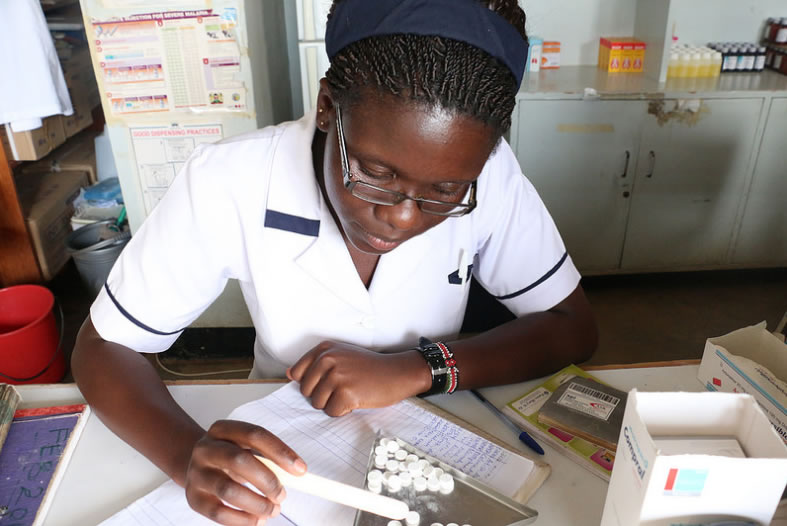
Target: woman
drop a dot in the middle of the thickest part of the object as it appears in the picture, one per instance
(352, 231)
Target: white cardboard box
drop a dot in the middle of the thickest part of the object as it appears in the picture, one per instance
(749, 360)
(651, 488)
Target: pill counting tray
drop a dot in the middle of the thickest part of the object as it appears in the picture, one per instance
(470, 503)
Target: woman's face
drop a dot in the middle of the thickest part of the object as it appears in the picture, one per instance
(434, 154)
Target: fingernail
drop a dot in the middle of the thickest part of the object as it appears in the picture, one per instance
(299, 465)
(280, 496)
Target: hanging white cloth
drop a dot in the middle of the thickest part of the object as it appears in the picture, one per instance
(31, 80)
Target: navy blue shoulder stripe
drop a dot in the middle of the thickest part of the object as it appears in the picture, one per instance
(538, 282)
(132, 319)
(291, 223)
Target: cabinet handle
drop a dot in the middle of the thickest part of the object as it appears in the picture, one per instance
(652, 156)
(626, 168)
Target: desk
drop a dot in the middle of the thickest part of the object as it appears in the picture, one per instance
(105, 474)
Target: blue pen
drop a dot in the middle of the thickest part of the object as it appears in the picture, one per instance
(523, 436)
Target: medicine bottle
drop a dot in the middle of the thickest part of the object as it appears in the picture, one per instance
(781, 35)
(751, 57)
(759, 63)
(716, 62)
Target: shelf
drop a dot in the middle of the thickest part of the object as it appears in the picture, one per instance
(571, 82)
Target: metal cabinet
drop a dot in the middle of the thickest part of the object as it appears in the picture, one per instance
(690, 178)
(762, 238)
(638, 185)
(580, 156)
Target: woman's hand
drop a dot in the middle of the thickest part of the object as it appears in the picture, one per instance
(340, 377)
(222, 461)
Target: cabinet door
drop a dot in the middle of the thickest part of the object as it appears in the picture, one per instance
(580, 156)
(691, 172)
(762, 239)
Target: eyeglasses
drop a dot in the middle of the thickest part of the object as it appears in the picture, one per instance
(382, 196)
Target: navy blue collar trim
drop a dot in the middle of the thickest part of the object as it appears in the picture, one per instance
(291, 223)
(133, 320)
(537, 282)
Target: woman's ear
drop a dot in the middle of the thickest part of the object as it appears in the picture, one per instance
(325, 107)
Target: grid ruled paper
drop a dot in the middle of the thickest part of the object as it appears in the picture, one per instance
(338, 448)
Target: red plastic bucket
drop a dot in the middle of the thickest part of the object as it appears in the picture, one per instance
(29, 340)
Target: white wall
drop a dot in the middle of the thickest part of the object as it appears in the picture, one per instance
(578, 24)
(703, 21)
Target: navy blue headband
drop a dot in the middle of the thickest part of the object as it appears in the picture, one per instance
(464, 20)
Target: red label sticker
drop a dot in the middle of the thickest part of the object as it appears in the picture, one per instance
(716, 382)
(673, 474)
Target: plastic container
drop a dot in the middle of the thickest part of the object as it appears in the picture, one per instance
(536, 45)
(29, 341)
(95, 248)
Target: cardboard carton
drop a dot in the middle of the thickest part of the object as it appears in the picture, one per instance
(46, 201)
(652, 487)
(34, 144)
(76, 155)
(749, 360)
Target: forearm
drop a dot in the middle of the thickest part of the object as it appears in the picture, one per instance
(125, 391)
(528, 347)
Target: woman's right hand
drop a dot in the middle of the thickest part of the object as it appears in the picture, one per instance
(222, 461)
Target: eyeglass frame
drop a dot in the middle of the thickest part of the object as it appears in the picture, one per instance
(349, 184)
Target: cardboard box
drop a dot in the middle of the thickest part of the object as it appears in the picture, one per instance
(653, 488)
(46, 201)
(78, 154)
(34, 144)
(750, 360)
(79, 120)
(550, 55)
(621, 54)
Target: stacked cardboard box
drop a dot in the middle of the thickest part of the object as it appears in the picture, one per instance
(46, 200)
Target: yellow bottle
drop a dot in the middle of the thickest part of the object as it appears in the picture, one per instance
(695, 61)
(683, 64)
(674, 64)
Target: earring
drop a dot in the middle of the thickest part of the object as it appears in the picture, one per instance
(319, 110)
(322, 123)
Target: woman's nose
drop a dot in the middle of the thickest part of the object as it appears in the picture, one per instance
(404, 216)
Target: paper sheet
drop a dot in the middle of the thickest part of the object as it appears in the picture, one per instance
(339, 448)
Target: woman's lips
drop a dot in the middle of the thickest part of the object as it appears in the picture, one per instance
(377, 243)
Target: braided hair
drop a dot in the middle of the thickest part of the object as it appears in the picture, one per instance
(432, 71)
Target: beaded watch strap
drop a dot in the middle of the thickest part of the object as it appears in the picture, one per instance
(445, 373)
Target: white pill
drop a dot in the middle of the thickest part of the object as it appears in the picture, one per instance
(387, 475)
(445, 478)
(402, 466)
(445, 489)
(394, 483)
(452, 524)
(411, 458)
(380, 460)
(375, 476)
(412, 518)
(400, 455)
(381, 450)
(392, 465)
(395, 523)
(427, 471)
(432, 484)
(423, 463)
(376, 488)
(384, 441)
(438, 472)
(419, 483)
(407, 478)
(393, 446)
(435, 524)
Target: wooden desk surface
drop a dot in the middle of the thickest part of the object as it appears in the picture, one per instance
(105, 474)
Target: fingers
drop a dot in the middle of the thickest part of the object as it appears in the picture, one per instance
(297, 371)
(227, 502)
(255, 438)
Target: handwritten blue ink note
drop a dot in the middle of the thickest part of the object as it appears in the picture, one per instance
(33, 460)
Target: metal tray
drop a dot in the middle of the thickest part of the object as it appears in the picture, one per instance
(471, 502)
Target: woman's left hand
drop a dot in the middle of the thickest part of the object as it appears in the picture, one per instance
(340, 377)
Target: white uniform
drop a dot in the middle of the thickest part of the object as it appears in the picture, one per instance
(250, 208)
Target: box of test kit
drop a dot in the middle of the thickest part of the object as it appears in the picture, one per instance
(695, 458)
(750, 360)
